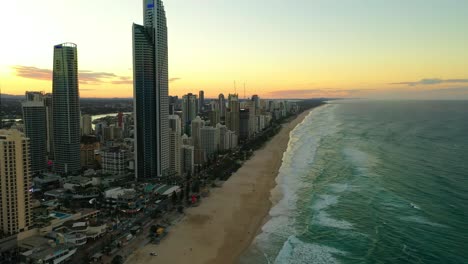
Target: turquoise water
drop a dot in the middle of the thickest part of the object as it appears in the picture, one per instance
(372, 182)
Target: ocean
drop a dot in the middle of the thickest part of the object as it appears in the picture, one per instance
(371, 182)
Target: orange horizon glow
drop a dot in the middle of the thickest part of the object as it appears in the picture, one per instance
(310, 49)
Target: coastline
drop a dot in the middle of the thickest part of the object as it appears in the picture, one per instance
(225, 224)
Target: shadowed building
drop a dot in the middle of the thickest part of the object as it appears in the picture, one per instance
(150, 90)
(66, 109)
(35, 126)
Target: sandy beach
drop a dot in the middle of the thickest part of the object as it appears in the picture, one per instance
(224, 225)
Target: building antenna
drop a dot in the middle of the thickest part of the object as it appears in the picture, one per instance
(235, 88)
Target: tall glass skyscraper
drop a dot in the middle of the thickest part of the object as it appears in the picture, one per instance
(35, 126)
(66, 109)
(150, 91)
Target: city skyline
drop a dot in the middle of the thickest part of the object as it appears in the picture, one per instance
(280, 50)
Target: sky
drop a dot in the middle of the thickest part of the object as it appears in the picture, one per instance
(277, 48)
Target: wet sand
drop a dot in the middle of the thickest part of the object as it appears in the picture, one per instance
(226, 222)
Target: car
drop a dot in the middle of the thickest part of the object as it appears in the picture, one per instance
(153, 254)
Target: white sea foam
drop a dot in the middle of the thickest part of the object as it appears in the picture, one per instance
(363, 161)
(421, 220)
(297, 159)
(298, 252)
(324, 219)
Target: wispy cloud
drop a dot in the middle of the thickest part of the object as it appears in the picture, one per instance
(33, 72)
(309, 93)
(123, 80)
(90, 77)
(431, 81)
(85, 76)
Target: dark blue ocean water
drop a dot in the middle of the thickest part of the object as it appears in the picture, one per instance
(372, 182)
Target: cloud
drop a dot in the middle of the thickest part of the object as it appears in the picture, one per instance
(309, 93)
(123, 80)
(33, 72)
(85, 76)
(431, 81)
(90, 77)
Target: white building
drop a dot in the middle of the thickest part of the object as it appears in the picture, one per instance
(175, 143)
(231, 139)
(114, 160)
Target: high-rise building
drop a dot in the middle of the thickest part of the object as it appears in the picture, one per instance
(48, 101)
(173, 101)
(66, 109)
(187, 153)
(175, 140)
(35, 126)
(209, 141)
(232, 118)
(150, 90)
(197, 125)
(201, 101)
(222, 105)
(114, 160)
(222, 137)
(189, 111)
(214, 117)
(86, 125)
(244, 124)
(15, 182)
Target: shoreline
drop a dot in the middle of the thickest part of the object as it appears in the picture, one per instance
(226, 223)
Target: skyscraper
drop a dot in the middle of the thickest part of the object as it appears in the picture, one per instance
(201, 101)
(197, 125)
(16, 215)
(232, 118)
(209, 139)
(48, 101)
(66, 109)
(150, 91)
(222, 105)
(35, 125)
(175, 144)
(189, 111)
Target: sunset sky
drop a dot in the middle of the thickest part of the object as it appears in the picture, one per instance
(280, 49)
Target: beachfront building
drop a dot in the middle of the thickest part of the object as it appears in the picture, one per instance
(175, 140)
(150, 88)
(210, 141)
(16, 215)
(197, 125)
(66, 109)
(231, 140)
(232, 118)
(244, 124)
(187, 160)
